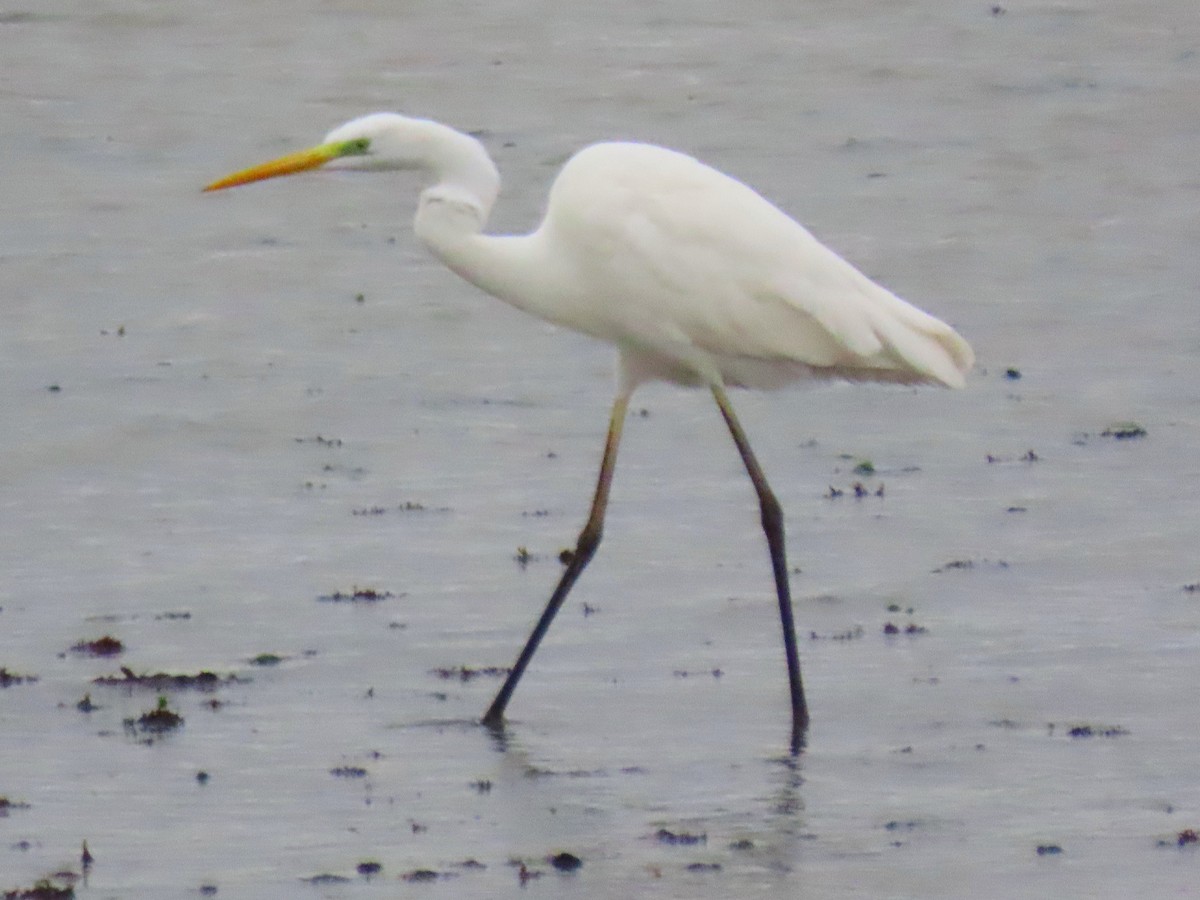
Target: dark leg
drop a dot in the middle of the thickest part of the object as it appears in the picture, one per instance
(772, 522)
(585, 549)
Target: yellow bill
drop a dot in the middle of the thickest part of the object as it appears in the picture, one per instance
(301, 161)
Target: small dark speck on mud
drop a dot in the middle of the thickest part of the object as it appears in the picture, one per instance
(369, 868)
(208, 890)
(53, 388)
(266, 659)
(202, 777)
(348, 772)
(86, 705)
(565, 862)
(703, 867)
(104, 646)
(565, 556)
(523, 557)
(743, 845)
(1193, 588)
(1049, 850)
(483, 786)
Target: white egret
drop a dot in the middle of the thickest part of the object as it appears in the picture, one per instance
(693, 276)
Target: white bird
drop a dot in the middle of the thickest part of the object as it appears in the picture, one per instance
(693, 276)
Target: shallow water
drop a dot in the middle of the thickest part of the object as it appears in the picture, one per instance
(206, 430)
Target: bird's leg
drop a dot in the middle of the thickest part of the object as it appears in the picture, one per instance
(585, 549)
(772, 522)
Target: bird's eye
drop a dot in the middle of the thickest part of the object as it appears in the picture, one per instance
(357, 147)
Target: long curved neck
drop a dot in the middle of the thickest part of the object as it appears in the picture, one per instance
(453, 211)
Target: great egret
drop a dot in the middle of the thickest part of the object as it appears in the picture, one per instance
(696, 278)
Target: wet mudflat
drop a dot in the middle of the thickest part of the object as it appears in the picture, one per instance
(280, 498)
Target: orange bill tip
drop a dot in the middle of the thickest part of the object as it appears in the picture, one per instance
(301, 161)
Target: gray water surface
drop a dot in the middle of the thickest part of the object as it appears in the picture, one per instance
(218, 409)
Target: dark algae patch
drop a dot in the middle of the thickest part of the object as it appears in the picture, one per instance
(467, 673)
(103, 646)
(157, 721)
(356, 595)
(565, 862)
(1124, 431)
(163, 681)
(8, 679)
(45, 889)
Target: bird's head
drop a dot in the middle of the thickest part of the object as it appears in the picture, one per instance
(377, 142)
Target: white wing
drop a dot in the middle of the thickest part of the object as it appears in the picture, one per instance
(680, 258)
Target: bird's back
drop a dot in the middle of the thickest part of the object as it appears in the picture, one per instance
(681, 264)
